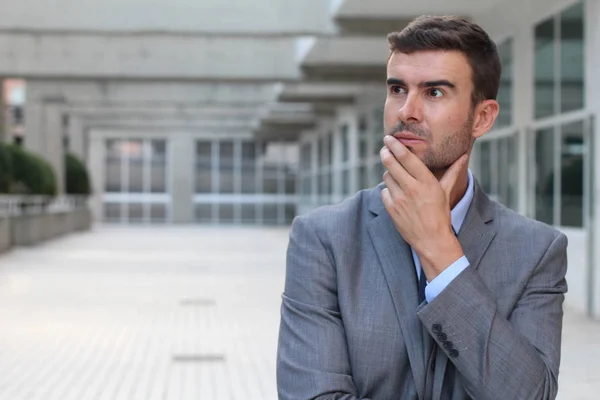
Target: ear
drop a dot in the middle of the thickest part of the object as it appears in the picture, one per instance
(484, 117)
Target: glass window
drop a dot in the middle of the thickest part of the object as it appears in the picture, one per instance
(560, 75)
(345, 144)
(135, 155)
(112, 212)
(505, 92)
(204, 212)
(571, 58)
(323, 184)
(485, 160)
(345, 182)
(226, 213)
(378, 131)
(305, 158)
(203, 167)
(378, 171)
(248, 213)
(329, 139)
(248, 167)
(270, 179)
(512, 172)
(136, 212)
(226, 167)
(113, 167)
(290, 183)
(270, 214)
(363, 136)
(571, 190)
(306, 186)
(363, 178)
(321, 152)
(290, 213)
(158, 166)
(158, 213)
(544, 191)
(544, 69)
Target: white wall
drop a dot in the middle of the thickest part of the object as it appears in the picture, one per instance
(212, 16)
(148, 56)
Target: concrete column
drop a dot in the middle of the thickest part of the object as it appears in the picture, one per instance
(44, 132)
(96, 165)
(181, 169)
(336, 160)
(33, 139)
(522, 108)
(353, 156)
(77, 138)
(592, 80)
(53, 138)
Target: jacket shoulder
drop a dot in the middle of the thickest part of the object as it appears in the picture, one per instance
(515, 226)
(346, 214)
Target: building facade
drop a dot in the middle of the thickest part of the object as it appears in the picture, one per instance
(255, 114)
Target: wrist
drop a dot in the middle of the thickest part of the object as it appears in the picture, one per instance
(437, 256)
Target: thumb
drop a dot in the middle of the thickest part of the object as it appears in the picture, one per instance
(450, 177)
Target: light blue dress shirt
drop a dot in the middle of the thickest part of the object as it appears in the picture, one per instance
(457, 216)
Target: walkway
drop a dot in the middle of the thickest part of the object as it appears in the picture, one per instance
(170, 314)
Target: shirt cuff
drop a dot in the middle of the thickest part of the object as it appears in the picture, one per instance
(439, 283)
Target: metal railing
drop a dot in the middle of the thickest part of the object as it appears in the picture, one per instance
(15, 205)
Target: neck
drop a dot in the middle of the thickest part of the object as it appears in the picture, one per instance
(460, 187)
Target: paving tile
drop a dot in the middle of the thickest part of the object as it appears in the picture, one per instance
(101, 315)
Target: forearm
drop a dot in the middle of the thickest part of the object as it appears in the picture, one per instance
(491, 354)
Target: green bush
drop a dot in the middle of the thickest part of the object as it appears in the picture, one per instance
(31, 173)
(6, 170)
(77, 180)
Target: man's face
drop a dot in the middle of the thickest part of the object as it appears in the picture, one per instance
(428, 105)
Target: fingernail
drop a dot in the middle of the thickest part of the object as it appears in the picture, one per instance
(386, 138)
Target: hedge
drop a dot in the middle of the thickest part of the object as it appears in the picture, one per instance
(77, 180)
(31, 173)
(6, 171)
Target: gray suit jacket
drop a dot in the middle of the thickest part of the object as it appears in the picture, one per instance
(351, 326)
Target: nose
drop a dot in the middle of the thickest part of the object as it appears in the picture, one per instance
(411, 111)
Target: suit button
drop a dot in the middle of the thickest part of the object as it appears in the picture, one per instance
(442, 336)
(453, 353)
(436, 328)
(447, 345)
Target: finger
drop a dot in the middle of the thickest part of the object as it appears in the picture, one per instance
(409, 161)
(451, 175)
(387, 199)
(398, 172)
(391, 184)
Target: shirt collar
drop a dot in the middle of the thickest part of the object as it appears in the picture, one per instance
(459, 212)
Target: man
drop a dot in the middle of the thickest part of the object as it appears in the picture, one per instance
(424, 288)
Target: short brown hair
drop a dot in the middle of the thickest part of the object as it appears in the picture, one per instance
(455, 33)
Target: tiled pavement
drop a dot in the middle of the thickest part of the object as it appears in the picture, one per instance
(172, 314)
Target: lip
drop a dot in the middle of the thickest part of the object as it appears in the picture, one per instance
(408, 138)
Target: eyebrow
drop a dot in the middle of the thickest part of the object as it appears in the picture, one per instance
(427, 84)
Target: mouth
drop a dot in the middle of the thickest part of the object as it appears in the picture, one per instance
(409, 139)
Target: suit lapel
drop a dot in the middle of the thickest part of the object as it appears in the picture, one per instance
(477, 233)
(396, 261)
(397, 264)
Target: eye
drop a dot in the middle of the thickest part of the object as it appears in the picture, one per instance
(435, 92)
(397, 89)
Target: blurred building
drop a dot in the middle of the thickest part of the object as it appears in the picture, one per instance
(250, 112)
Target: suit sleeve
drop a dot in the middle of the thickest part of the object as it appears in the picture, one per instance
(504, 358)
(312, 356)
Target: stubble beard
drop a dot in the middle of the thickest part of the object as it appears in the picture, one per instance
(440, 157)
